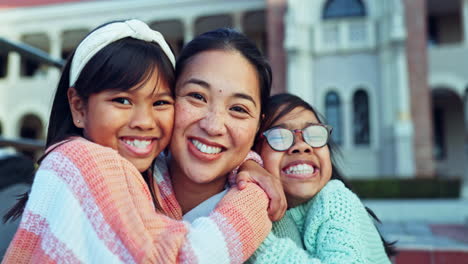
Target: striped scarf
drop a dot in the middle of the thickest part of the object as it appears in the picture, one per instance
(90, 205)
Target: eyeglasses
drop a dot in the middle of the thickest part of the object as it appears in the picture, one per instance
(281, 139)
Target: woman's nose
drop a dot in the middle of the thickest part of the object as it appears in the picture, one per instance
(213, 122)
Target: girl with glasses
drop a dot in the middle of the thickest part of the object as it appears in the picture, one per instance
(324, 215)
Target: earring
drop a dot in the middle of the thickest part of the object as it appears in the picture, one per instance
(78, 121)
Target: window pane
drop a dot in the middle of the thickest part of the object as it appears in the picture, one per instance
(439, 137)
(361, 118)
(344, 8)
(333, 115)
(3, 64)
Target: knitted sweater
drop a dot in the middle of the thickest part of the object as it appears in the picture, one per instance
(287, 228)
(90, 205)
(336, 228)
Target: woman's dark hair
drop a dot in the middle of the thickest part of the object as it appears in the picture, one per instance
(121, 65)
(229, 40)
(280, 105)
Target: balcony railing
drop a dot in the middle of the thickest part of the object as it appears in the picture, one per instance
(344, 36)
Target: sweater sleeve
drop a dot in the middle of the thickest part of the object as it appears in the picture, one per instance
(337, 227)
(90, 205)
(281, 250)
(284, 250)
(287, 228)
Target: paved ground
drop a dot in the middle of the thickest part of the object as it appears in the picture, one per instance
(433, 232)
(419, 242)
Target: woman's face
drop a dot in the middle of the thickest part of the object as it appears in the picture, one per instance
(137, 122)
(217, 113)
(303, 170)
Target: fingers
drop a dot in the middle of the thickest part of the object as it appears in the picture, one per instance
(241, 185)
(242, 178)
(274, 190)
(278, 204)
(270, 184)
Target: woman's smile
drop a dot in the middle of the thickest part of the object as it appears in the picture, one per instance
(204, 149)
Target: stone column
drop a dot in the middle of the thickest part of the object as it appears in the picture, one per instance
(299, 47)
(397, 155)
(55, 52)
(464, 7)
(403, 132)
(464, 189)
(14, 66)
(14, 72)
(189, 29)
(275, 25)
(237, 21)
(420, 92)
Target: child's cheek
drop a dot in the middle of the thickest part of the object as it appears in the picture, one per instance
(271, 160)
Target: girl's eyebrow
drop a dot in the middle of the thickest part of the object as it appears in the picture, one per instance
(288, 125)
(115, 91)
(282, 125)
(164, 94)
(311, 123)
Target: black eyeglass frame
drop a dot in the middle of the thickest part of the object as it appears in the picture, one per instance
(295, 131)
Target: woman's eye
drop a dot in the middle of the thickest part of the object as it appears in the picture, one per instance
(239, 109)
(197, 96)
(122, 100)
(161, 102)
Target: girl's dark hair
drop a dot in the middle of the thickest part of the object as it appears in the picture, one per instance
(121, 65)
(280, 105)
(229, 40)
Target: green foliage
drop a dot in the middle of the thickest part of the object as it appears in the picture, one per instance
(417, 188)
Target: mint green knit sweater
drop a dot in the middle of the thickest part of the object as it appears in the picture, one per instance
(335, 227)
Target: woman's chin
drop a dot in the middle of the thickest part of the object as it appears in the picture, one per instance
(205, 179)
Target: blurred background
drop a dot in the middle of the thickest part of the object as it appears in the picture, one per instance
(391, 77)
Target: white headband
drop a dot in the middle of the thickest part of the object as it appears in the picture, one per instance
(103, 36)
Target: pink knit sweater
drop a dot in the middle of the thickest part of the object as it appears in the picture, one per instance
(90, 205)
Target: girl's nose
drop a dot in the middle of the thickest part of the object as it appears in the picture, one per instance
(300, 146)
(142, 118)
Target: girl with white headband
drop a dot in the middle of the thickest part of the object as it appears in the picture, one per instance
(92, 200)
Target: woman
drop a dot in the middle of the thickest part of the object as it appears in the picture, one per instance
(222, 81)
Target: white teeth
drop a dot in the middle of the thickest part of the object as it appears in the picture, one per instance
(138, 143)
(300, 169)
(204, 148)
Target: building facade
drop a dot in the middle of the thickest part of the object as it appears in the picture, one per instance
(389, 76)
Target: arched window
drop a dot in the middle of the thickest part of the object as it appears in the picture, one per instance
(344, 8)
(333, 115)
(31, 127)
(361, 123)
